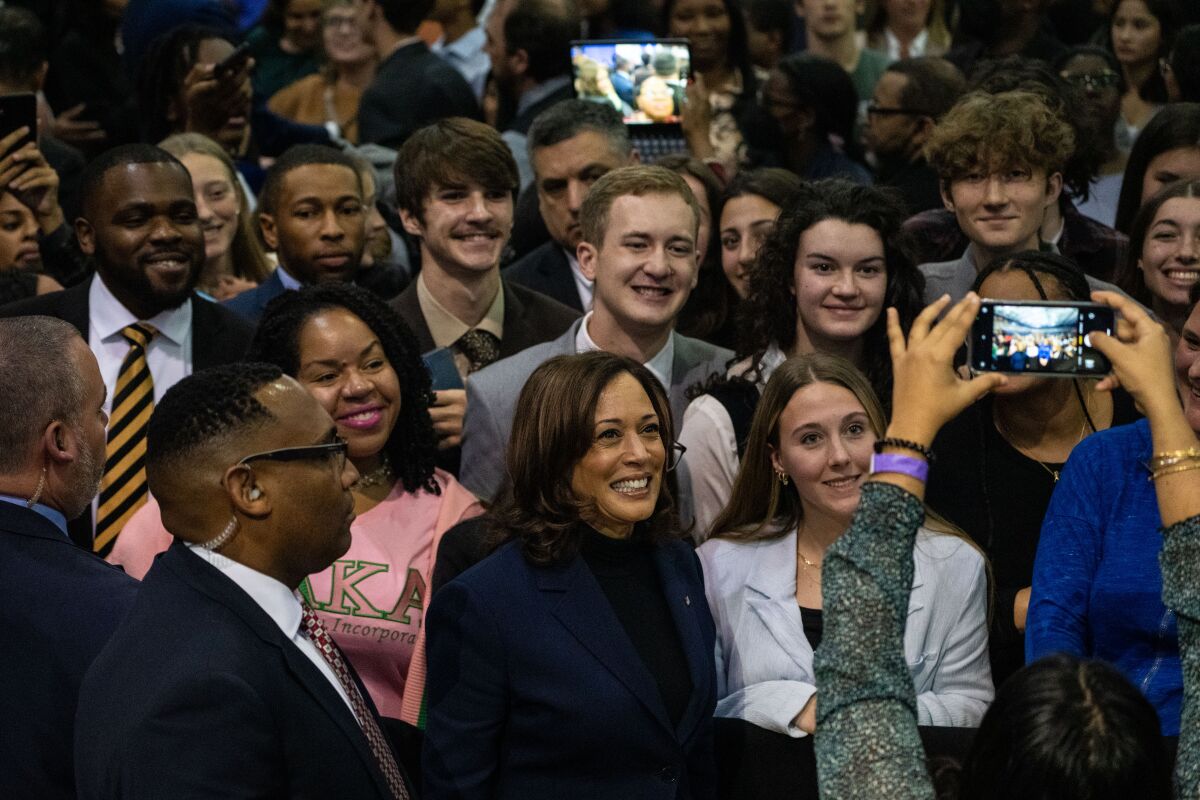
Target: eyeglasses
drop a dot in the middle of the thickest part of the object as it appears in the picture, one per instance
(881, 111)
(337, 449)
(675, 456)
(1093, 80)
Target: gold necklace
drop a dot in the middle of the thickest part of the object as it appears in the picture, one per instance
(803, 558)
(1054, 473)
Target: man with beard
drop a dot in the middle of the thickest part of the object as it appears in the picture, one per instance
(141, 319)
(51, 455)
(909, 99)
(455, 182)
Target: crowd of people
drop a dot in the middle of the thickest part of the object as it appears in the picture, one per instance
(380, 421)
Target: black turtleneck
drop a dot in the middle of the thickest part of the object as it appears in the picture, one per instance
(627, 575)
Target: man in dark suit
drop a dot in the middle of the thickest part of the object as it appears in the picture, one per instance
(639, 247)
(412, 87)
(138, 313)
(529, 43)
(311, 213)
(455, 182)
(221, 682)
(58, 602)
(571, 145)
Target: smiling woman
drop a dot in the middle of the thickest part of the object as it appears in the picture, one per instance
(596, 680)
(1164, 254)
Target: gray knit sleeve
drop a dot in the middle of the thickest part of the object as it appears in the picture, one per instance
(1180, 564)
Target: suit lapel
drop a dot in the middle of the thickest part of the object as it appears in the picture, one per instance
(699, 655)
(76, 307)
(771, 596)
(558, 274)
(583, 610)
(409, 308)
(515, 326)
(219, 336)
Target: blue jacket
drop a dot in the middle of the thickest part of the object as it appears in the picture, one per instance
(1097, 586)
(536, 692)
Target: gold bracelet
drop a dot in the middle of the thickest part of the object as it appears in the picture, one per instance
(1172, 457)
(1172, 470)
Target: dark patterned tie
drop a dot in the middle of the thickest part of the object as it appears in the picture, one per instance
(333, 656)
(480, 347)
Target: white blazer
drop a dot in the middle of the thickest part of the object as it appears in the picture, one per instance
(765, 663)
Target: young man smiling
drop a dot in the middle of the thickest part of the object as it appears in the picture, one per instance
(455, 183)
(999, 159)
(638, 245)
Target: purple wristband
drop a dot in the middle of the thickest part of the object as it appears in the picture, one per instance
(904, 465)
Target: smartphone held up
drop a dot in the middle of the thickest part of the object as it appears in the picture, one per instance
(1041, 338)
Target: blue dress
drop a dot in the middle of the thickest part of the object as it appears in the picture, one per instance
(1097, 585)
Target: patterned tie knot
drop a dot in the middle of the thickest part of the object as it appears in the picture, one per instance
(139, 334)
(480, 347)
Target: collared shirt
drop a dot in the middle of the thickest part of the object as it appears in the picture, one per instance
(289, 283)
(280, 603)
(583, 285)
(445, 329)
(466, 55)
(915, 50)
(660, 364)
(52, 514)
(169, 354)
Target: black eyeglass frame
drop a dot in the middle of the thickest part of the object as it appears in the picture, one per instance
(677, 451)
(339, 447)
(881, 111)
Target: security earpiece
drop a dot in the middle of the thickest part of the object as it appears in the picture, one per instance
(255, 493)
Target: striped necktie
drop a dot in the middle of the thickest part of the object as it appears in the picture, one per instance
(123, 487)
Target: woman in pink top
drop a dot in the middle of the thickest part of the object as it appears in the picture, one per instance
(357, 357)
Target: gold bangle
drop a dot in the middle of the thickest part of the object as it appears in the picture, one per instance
(1172, 457)
(1172, 470)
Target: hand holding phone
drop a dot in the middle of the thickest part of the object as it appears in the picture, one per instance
(18, 111)
(1040, 338)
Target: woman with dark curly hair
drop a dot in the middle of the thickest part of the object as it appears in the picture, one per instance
(358, 358)
(838, 252)
(577, 660)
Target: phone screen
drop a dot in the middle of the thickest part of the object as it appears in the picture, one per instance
(645, 81)
(1044, 339)
(16, 111)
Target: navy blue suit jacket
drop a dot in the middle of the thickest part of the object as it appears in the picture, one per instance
(200, 694)
(249, 305)
(536, 692)
(58, 606)
(545, 269)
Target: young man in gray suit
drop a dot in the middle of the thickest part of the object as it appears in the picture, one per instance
(639, 229)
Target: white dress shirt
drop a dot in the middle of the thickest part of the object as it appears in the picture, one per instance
(280, 603)
(660, 365)
(169, 354)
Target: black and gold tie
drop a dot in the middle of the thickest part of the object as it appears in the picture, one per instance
(480, 347)
(123, 487)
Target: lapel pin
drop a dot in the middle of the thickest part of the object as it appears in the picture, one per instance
(687, 600)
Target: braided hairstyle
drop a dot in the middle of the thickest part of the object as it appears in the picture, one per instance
(161, 74)
(412, 446)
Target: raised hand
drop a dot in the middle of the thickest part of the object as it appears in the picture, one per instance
(1140, 354)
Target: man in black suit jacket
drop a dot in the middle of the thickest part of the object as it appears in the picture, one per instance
(58, 603)
(220, 681)
(455, 184)
(412, 87)
(140, 226)
(571, 145)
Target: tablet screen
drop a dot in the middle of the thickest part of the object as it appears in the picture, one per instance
(645, 81)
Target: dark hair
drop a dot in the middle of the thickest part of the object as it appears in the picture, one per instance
(42, 383)
(94, 171)
(23, 47)
(405, 16)
(1129, 277)
(1185, 63)
(449, 151)
(161, 73)
(1169, 17)
(205, 410)
(544, 30)
(552, 433)
(1176, 125)
(1084, 157)
(1034, 263)
(737, 50)
(412, 445)
(569, 118)
(1094, 51)
(296, 156)
(772, 16)
(823, 87)
(1064, 728)
(934, 85)
(765, 318)
(708, 305)
(778, 186)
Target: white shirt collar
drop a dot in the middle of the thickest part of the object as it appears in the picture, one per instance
(287, 280)
(915, 50)
(108, 317)
(278, 601)
(660, 365)
(584, 285)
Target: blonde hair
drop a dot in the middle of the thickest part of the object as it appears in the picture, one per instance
(246, 253)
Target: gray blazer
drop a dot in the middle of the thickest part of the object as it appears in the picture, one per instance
(492, 401)
(765, 663)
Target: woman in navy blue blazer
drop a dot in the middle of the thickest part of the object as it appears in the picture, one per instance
(577, 660)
